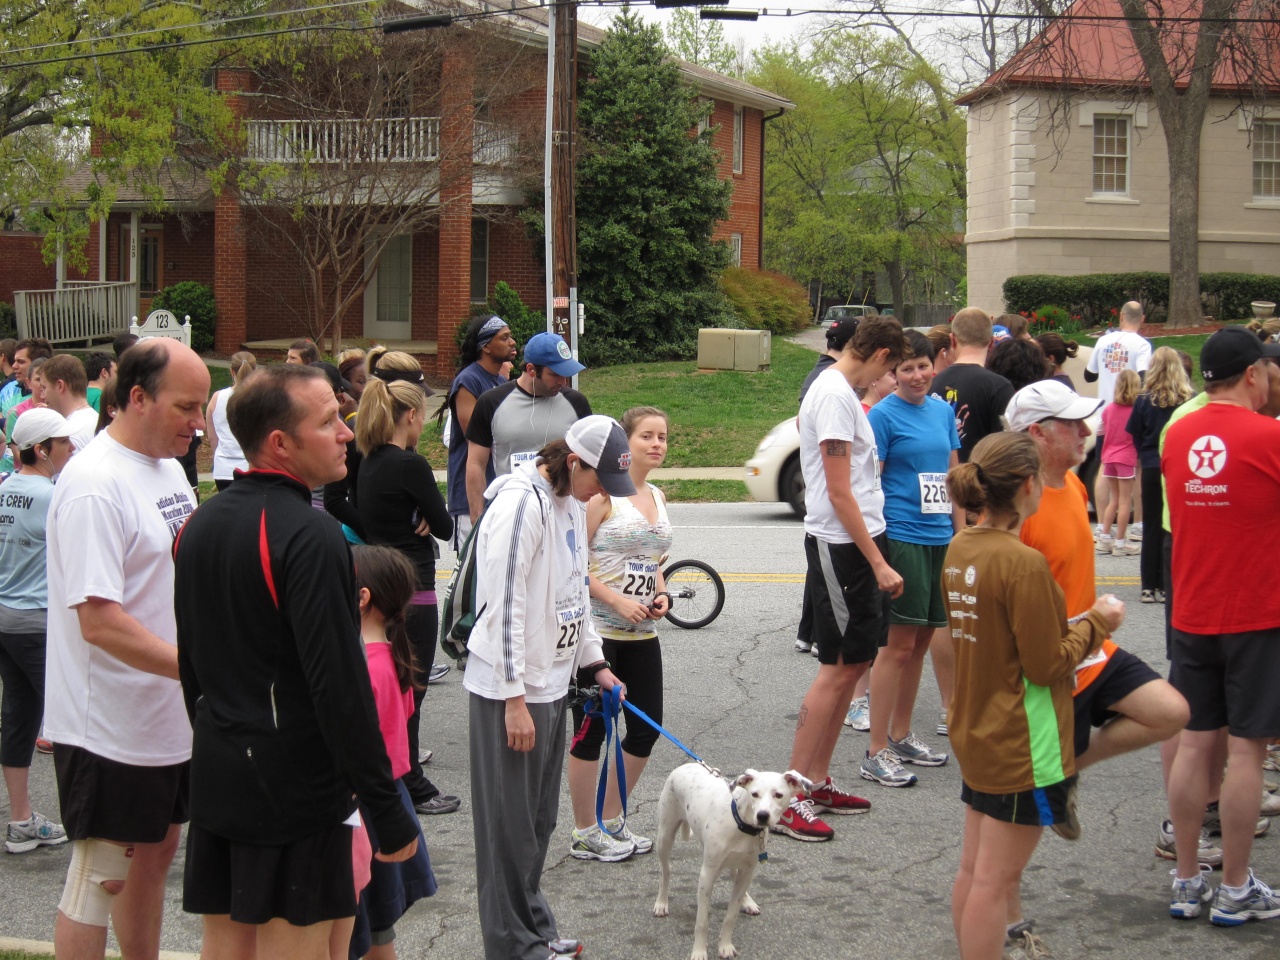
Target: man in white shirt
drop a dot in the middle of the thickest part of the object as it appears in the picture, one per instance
(113, 706)
(66, 391)
(849, 580)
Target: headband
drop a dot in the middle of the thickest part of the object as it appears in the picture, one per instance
(491, 328)
(408, 376)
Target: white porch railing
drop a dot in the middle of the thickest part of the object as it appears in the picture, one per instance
(408, 139)
(494, 144)
(80, 311)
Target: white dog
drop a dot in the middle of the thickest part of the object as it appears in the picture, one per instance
(732, 826)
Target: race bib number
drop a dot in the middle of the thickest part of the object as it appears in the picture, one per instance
(640, 580)
(527, 456)
(933, 493)
(569, 622)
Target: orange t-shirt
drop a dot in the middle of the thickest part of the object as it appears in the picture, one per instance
(1060, 530)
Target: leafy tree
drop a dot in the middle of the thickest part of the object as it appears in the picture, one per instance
(700, 41)
(648, 200)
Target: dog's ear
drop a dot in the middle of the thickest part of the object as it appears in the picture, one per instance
(798, 780)
(746, 778)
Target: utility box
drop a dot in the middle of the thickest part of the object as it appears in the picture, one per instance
(716, 349)
(751, 350)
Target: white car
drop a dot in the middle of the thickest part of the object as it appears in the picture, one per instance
(773, 473)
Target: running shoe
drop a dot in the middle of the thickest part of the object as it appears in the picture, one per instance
(1135, 532)
(1270, 804)
(885, 769)
(1208, 854)
(859, 715)
(1069, 829)
(1023, 944)
(804, 646)
(1257, 903)
(642, 844)
(942, 724)
(1125, 548)
(564, 947)
(911, 749)
(1272, 762)
(437, 672)
(1159, 596)
(1105, 542)
(1213, 823)
(799, 822)
(826, 797)
(1148, 596)
(440, 803)
(24, 836)
(1188, 895)
(43, 745)
(1270, 786)
(594, 844)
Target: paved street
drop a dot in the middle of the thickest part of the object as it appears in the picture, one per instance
(880, 890)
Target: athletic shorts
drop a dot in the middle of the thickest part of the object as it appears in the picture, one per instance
(850, 611)
(1230, 680)
(308, 881)
(1041, 807)
(1123, 674)
(104, 799)
(920, 565)
(1119, 471)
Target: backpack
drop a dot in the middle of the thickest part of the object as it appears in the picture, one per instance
(457, 608)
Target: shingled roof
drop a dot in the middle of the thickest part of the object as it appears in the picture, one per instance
(1088, 47)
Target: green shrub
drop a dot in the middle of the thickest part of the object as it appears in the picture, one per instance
(1053, 319)
(763, 300)
(1097, 297)
(506, 303)
(8, 320)
(1227, 295)
(194, 300)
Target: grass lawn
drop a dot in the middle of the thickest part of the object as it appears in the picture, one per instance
(704, 491)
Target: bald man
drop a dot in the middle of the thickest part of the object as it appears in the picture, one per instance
(977, 395)
(113, 706)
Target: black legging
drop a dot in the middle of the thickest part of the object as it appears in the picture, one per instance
(638, 664)
(22, 673)
(1153, 530)
(421, 624)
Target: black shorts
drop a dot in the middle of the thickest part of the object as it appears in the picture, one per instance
(850, 611)
(1230, 680)
(104, 799)
(1123, 674)
(1041, 807)
(304, 882)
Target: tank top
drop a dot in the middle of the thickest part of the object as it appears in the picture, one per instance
(229, 456)
(625, 556)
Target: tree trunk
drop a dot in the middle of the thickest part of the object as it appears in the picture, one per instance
(897, 284)
(1183, 139)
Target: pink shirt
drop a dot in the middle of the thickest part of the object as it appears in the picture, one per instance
(394, 705)
(1117, 442)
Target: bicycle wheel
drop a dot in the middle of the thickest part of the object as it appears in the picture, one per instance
(697, 593)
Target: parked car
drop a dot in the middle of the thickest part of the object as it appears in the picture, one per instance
(773, 472)
(845, 312)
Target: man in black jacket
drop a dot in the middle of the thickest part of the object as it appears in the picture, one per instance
(275, 682)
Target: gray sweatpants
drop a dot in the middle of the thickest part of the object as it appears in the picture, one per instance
(514, 801)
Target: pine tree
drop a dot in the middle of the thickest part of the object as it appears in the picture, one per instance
(648, 200)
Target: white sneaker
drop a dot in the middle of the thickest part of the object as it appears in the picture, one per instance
(594, 844)
(859, 715)
(642, 844)
(1135, 532)
(1104, 541)
(1124, 548)
(1270, 804)
(804, 646)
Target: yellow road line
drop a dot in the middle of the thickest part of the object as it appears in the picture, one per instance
(799, 578)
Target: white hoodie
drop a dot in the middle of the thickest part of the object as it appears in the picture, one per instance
(534, 627)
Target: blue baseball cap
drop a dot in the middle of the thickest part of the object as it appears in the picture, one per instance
(550, 350)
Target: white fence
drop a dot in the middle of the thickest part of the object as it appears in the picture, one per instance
(80, 311)
(344, 141)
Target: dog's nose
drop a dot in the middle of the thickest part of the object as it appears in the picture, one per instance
(762, 816)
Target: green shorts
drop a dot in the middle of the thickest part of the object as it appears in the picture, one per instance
(920, 565)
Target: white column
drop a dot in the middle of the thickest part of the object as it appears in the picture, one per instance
(102, 250)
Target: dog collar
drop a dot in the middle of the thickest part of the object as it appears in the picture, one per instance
(742, 824)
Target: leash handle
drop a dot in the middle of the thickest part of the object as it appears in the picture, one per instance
(610, 710)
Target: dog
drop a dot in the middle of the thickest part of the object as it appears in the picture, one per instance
(732, 824)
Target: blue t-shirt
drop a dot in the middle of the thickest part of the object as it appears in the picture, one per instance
(915, 443)
(24, 511)
(475, 379)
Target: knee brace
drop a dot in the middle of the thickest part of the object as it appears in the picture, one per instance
(93, 863)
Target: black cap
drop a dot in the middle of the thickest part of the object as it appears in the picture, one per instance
(841, 332)
(334, 375)
(1231, 351)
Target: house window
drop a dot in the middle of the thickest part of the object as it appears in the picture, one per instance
(395, 280)
(705, 123)
(1266, 160)
(735, 249)
(737, 139)
(1111, 155)
(479, 260)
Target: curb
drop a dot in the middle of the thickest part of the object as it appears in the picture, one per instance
(37, 947)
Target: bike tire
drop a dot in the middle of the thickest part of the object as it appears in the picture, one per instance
(701, 582)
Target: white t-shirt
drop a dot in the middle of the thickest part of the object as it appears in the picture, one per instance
(84, 424)
(832, 411)
(112, 523)
(1117, 351)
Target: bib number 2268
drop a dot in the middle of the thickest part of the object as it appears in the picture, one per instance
(933, 493)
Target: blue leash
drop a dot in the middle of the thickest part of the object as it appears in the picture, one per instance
(610, 710)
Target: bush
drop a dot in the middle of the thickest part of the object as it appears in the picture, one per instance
(1096, 297)
(764, 300)
(1228, 295)
(194, 300)
(8, 320)
(1053, 319)
(506, 303)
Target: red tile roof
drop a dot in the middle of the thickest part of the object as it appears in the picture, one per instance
(1089, 48)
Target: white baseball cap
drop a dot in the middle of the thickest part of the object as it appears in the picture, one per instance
(1047, 400)
(38, 425)
(602, 444)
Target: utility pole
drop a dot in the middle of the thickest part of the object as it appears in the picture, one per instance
(561, 227)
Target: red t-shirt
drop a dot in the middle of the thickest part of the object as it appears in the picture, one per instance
(1222, 478)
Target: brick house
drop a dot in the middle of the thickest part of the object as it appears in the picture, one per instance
(1068, 166)
(426, 282)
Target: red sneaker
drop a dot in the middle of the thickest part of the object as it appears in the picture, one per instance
(800, 822)
(828, 798)
(43, 745)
